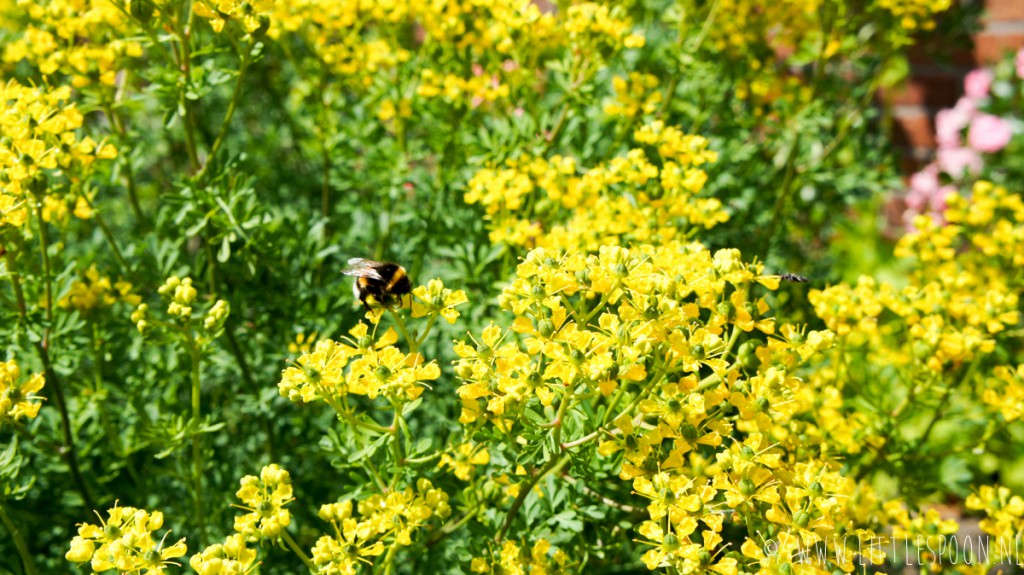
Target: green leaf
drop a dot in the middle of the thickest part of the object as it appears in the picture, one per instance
(224, 254)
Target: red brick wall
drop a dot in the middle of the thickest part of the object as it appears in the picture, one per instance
(933, 86)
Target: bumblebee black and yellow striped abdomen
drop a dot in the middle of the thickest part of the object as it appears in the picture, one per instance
(378, 283)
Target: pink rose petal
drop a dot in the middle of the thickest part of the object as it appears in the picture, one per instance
(989, 133)
(977, 84)
(957, 162)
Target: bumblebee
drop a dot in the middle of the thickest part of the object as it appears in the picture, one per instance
(385, 282)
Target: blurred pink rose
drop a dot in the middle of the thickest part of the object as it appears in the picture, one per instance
(957, 161)
(1020, 63)
(989, 133)
(977, 84)
(915, 201)
(926, 182)
(951, 121)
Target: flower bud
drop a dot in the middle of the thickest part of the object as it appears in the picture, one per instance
(142, 10)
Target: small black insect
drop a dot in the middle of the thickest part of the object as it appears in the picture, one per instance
(793, 278)
(378, 283)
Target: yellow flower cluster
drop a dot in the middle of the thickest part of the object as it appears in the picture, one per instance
(741, 27)
(477, 89)
(593, 26)
(18, 399)
(180, 297)
(594, 319)
(355, 40)
(654, 331)
(125, 542)
(229, 558)
(926, 531)
(915, 14)
(1004, 392)
(253, 15)
(95, 291)
(465, 459)
(928, 336)
(635, 95)
(515, 559)
(87, 40)
(357, 365)
(1004, 521)
(633, 198)
(264, 497)
(512, 28)
(489, 48)
(958, 298)
(395, 517)
(37, 142)
(434, 300)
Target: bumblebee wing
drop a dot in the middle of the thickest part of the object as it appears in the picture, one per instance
(363, 268)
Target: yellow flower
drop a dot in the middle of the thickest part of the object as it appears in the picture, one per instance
(264, 498)
(18, 399)
(125, 542)
(434, 298)
(93, 291)
(465, 460)
(231, 557)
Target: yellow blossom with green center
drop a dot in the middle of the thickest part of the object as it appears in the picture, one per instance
(125, 541)
(18, 399)
(232, 557)
(264, 497)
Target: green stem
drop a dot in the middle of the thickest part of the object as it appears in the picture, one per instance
(19, 541)
(396, 447)
(325, 151)
(563, 115)
(780, 200)
(423, 336)
(941, 408)
(632, 404)
(389, 559)
(555, 465)
(563, 406)
(129, 175)
(197, 446)
(43, 348)
(44, 242)
(345, 415)
(109, 235)
(232, 105)
(97, 355)
(449, 528)
(670, 91)
(184, 34)
(424, 459)
(298, 550)
(239, 355)
(400, 324)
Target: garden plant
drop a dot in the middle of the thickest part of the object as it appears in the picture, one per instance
(652, 321)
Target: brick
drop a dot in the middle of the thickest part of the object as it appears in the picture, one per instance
(909, 162)
(1004, 10)
(926, 53)
(933, 90)
(912, 127)
(991, 46)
